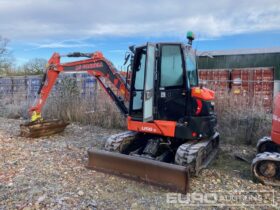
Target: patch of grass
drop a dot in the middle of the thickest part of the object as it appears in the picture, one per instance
(240, 121)
(226, 162)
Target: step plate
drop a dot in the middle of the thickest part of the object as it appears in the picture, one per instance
(171, 176)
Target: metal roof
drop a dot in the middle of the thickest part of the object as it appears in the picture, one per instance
(239, 51)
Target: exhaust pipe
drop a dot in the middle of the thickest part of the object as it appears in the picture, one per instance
(171, 176)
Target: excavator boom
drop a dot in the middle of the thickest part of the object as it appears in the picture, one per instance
(96, 65)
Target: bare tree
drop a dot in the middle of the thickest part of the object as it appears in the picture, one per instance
(35, 66)
(3, 46)
(5, 56)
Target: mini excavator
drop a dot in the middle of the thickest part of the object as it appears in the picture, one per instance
(171, 121)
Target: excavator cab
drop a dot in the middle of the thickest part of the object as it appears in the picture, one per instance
(164, 92)
(161, 81)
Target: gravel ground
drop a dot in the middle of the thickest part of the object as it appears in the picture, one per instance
(49, 173)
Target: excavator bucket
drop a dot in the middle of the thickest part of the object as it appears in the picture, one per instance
(173, 177)
(44, 128)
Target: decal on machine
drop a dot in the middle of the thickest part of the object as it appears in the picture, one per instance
(89, 66)
(148, 129)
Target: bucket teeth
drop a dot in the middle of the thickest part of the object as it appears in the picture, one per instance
(44, 128)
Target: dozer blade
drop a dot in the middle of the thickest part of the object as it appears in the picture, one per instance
(44, 128)
(173, 177)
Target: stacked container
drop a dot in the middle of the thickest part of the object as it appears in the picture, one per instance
(249, 86)
(256, 84)
(215, 79)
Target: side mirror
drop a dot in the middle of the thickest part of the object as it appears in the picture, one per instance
(126, 57)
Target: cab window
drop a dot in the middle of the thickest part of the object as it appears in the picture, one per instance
(191, 68)
(171, 66)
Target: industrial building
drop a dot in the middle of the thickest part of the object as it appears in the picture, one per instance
(243, 58)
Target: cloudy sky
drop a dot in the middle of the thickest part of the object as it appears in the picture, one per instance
(36, 28)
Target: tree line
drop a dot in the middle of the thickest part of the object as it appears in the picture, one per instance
(8, 65)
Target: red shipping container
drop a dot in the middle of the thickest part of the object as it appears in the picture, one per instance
(215, 79)
(255, 83)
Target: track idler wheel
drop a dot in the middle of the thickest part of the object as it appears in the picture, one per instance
(267, 169)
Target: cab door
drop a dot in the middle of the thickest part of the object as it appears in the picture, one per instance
(149, 83)
(172, 97)
(142, 85)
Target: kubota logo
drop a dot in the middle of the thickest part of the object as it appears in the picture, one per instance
(89, 66)
(149, 129)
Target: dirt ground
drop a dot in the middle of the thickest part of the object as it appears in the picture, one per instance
(49, 173)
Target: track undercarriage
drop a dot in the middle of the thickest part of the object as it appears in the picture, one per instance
(266, 165)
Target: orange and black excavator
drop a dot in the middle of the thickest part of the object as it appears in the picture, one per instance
(170, 118)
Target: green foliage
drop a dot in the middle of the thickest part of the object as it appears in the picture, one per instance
(68, 88)
(34, 66)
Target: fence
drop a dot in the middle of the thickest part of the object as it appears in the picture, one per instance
(15, 89)
(243, 101)
(18, 93)
(72, 98)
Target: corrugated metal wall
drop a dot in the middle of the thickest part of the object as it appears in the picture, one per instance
(242, 61)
